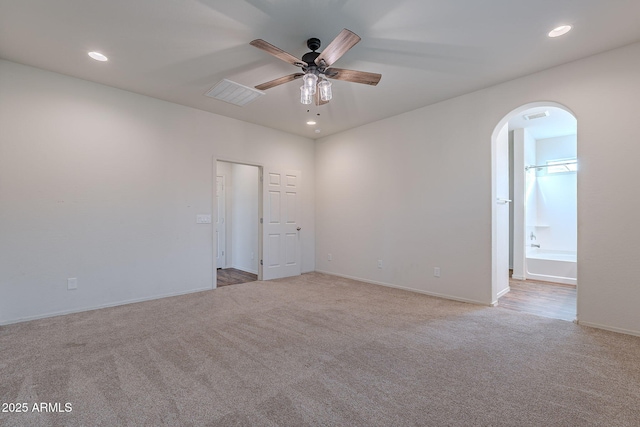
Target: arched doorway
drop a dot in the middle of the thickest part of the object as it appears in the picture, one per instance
(550, 123)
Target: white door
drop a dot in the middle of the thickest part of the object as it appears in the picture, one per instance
(221, 259)
(281, 228)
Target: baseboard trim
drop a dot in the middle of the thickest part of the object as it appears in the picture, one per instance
(501, 293)
(420, 291)
(609, 328)
(513, 276)
(98, 307)
(504, 292)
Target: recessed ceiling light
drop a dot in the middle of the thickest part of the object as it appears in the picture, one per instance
(560, 31)
(98, 56)
(318, 130)
(311, 123)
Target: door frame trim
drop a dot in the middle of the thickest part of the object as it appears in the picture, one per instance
(224, 224)
(214, 208)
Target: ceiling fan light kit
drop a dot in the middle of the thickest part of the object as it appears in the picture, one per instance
(325, 90)
(316, 67)
(305, 96)
(310, 80)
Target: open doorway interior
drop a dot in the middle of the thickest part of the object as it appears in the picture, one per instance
(543, 216)
(237, 223)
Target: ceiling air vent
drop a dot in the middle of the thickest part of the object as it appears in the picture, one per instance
(234, 93)
(534, 116)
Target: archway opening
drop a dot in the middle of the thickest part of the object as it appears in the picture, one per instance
(534, 213)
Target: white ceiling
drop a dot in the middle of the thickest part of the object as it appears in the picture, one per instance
(426, 50)
(559, 122)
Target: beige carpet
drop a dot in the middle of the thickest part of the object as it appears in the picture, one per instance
(317, 350)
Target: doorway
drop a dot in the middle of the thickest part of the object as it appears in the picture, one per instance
(238, 199)
(539, 212)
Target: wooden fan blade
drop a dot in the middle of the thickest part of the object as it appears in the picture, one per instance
(338, 47)
(278, 53)
(353, 76)
(319, 101)
(279, 81)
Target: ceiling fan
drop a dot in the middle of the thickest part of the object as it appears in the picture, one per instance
(316, 67)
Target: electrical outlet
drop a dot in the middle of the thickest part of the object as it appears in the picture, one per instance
(329, 257)
(203, 219)
(252, 255)
(379, 263)
(72, 283)
(436, 271)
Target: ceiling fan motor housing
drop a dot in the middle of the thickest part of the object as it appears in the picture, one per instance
(310, 57)
(313, 44)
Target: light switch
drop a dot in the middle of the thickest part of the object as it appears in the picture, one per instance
(203, 219)
(72, 283)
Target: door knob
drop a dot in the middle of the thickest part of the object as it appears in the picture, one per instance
(298, 228)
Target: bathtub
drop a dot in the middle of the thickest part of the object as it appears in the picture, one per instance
(552, 266)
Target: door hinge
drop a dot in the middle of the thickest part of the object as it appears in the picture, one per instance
(261, 262)
(261, 220)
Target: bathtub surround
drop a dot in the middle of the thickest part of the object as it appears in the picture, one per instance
(555, 210)
(552, 266)
(319, 350)
(550, 205)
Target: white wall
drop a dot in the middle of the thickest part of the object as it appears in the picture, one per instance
(104, 185)
(415, 189)
(557, 196)
(244, 208)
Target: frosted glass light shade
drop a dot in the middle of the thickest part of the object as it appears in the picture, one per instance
(306, 97)
(310, 81)
(325, 90)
